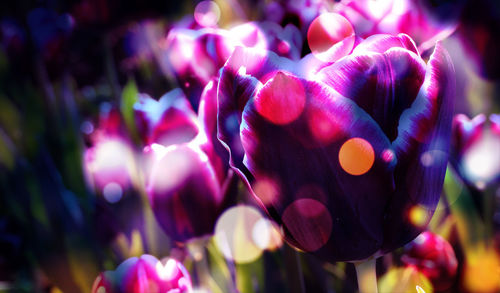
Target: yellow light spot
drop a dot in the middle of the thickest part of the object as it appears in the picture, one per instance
(405, 280)
(233, 234)
(356, 156)
(418, 216)
(482, 270)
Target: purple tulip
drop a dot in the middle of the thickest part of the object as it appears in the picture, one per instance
(145, 275)
(187, 180)
(109, 163)
(476, 149)
(184, 192)
(170, 120)
(195, 56)
(341, 150)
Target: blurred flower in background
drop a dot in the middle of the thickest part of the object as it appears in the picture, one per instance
(145, 274)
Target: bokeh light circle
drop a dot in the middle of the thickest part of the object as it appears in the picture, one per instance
(112, 192)
(330, 37)
(282, 99)
(207, 13)
(356, 156)
(234, 234)
(309, 223)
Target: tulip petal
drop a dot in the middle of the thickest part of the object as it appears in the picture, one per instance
(184, 193)
(422, 148)
(217, 153)
(235, 88)
(260, 64)
(170, 120)
(383, 85)
(380, 43)
(302, 158)
(465, 131)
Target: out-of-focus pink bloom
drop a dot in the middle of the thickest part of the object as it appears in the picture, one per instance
(109, 162)
(476, 149)
(340, 150)
(184, 191)
(370, 17)
(187, 180)
(195, 56)
(434, 257)
(170, 120)
(145, 275)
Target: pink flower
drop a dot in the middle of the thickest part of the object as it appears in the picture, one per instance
(187, 181)
(109, 162)
(476, 149)
(145, 275)
(434, 257)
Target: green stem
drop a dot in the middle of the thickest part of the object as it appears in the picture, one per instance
(294, 270)
(367, 276)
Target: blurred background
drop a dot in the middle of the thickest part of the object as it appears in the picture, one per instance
(75, 76)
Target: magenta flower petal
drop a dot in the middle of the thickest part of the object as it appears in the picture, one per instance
(196, 57)
(380, 43)
(234, 91)
(170, 120)
(317, 200)
(217, 153)
(465, 132)
(434, 257)
(145, 274)
(184, 192)
(260, 64)
(475, 145)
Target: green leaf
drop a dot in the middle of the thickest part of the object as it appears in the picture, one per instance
(130, 96)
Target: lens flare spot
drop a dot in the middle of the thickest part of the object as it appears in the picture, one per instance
(330, 37)
(482, 160)
(112, 192)
(266, 235)
(250, 35)
(418, 216)
(388, 156)
(356, 156)
(233, 234)
(87, 127)
(309, 223)
(282, 99)
(207, 13)
(267, 190)
(324, 126)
